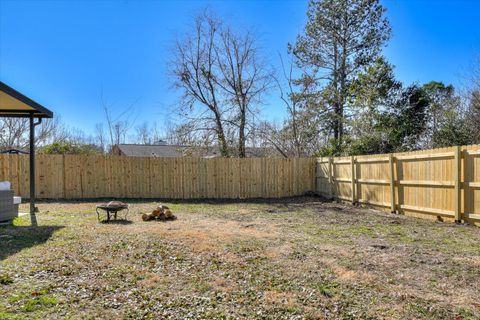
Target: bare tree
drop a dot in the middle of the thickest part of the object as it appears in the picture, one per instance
(120, 124)
(271, 135)
(298, 135)
(292, 99)
(100, 137)
(222, 77)
(14, 132)
(195, 71)
(244, 77)
(143, 135)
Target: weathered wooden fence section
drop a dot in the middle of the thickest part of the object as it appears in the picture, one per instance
(81, 177)
(437, 183)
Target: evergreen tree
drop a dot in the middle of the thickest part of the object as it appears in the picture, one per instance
(340, 39)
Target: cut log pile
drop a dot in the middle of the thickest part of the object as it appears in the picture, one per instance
(161, 213)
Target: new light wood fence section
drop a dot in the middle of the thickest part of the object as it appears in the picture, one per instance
(438, 183)
(82, 177)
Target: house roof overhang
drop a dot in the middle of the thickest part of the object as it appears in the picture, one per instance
(14, 104)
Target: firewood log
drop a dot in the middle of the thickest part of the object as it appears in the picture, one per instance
(147, 217)
(161, 216)
(168, 214)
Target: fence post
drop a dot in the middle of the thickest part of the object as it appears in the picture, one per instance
(64, 171)
(330, 176)
(352, 162)
(457, 176)
(392, 183)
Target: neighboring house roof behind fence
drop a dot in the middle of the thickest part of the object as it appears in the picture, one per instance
(13, 151)
(164, 150)
(146, 150)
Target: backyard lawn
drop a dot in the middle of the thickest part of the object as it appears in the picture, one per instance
(296, 258)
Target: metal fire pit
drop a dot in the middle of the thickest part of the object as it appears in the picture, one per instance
(112, 207)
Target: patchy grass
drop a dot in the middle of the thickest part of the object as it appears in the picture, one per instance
(287, 259)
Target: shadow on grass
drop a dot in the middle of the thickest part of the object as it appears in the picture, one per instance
(14, 239)
(118, 221)
(213, 201)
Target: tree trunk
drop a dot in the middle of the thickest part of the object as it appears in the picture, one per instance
(241, 134)
(336, 103)
(336, 127)
(343, 83)
(222, 141)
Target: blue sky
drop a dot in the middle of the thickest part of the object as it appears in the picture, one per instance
(68, 54)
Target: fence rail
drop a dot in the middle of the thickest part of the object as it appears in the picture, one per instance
(83, 177)
(437, 183)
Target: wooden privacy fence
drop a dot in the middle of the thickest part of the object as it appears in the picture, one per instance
(81, 177)
(437, 183)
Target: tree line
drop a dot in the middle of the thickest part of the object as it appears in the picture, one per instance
(340, 92)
